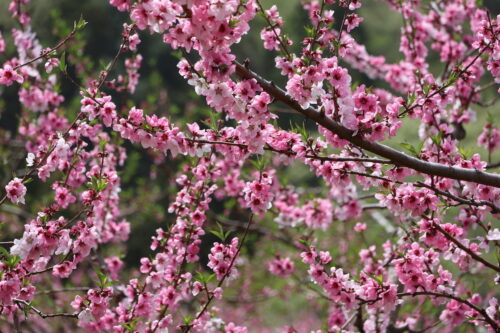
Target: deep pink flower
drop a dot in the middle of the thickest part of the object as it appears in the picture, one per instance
(8, 75)
(16, 190)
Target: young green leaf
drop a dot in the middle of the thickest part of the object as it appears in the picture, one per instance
(410, 148)
(62, 62)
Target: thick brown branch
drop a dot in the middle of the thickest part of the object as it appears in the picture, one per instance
(493, 165)
(395, 156)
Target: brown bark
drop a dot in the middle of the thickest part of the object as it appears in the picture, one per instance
(395, 156)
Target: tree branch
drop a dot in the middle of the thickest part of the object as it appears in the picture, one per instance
(488, 319)
(292, 153)
(42, 314)
(393, 155)
(466, 249)
(231, 264)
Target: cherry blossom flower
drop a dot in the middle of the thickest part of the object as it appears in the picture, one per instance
(16, 190)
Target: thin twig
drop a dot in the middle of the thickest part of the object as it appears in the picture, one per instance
(466, 249)
(42, 314)
(456, 298)
(283, 45)
(44, 54)
(292, 153)
(205, 307)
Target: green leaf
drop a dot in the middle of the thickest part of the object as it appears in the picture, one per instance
(466, 153)
(102, 143)
(62, 62)
(13, 260)
(420, 146)
(303, 242)
(204, 278)
(453, 77)
(111, 283)
(108, 66)
(4, 252)
(126, 326)
(378, 279)
(187, 320)
(199, 277)
(233, 23)
(102, 277)
(217, 234)
(259, 163)
(27, 309)
(104, 281)
(81, 23)
(98, 184)
(490, 118)
(131, 326)
(210, 277)
(410, 148)
(436, 139)
(213, 123)
(220, 233)
(336, 46)
(411, 99)
(309, 30)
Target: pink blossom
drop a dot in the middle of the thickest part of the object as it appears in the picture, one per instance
(2, 43)
(360, 227)
(114, 265)
(16, 190)
(281, 267)
(8, 75)
(318, 214)
(121, 5)
(221, 260)
(50, 64)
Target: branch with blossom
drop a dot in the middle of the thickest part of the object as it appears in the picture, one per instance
(358, 235)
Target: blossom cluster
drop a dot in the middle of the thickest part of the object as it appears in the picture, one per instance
(437, 209)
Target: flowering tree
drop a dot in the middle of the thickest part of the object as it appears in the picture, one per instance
(381, 241)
